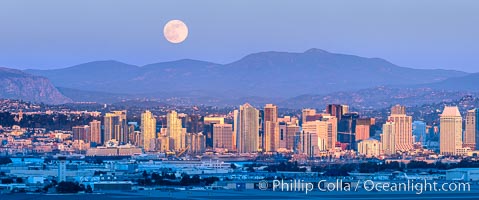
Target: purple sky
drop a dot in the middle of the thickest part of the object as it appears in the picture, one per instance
(418, 34)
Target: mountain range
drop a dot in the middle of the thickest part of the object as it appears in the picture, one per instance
(15, 84)
(265, 76)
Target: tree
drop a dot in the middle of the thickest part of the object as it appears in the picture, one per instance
(145, 174)
(89, 189)
(195, 180)
(98, 161)
(185, 180)
(233, 166)
(19, 180)
(210, 180)
(68, 187)
(5, 160)
(7, 181)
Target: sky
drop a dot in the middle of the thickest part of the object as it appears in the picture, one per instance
(419, 34)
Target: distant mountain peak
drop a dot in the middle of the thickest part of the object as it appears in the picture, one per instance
(16, 84)
(315, 51)
(12, 72)
(103, 63)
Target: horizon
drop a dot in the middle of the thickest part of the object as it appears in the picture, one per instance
(420, 35)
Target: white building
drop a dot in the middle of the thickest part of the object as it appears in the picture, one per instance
(370, 147)
(451, 132)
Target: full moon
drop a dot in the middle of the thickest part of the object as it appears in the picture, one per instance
(175, 31)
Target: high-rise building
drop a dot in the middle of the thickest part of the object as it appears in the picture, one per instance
(451, 131)
(316, 132)
(283, 140)
(271, 113)
(287, 135)
(477, 130)
(403, 125)
(419, 131)
(148, 130)
(325, 132)
(388, 138)
(347, 128)
(208, 123)
(345, 109)
(81, 133)
(271, 128)
(194, 123)
(195, 143)
(135, 137)
(175, 131)
(235, 128)
(292, 136)
(337, 110)
(164, 143)
(95, 132)
(122, 135)
(471, 135)
(115, 127)
(362, 129)
(132, 135)
(213, 120)
(307, 112)
(398, 110)
(111, 125)
(247, 139)
(370, 147)
(308, 140)
(223, 136)
(328, 132)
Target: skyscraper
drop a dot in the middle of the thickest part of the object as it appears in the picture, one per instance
(208, 131)
(292, 136)
(271, 113)
(115, 127)
(398, 110)
(451, 131)
(347, 128)
(369, 147)
(328, 132)
(95, 132)
(419, 131)
(283, 140)
(271, 128)
(307, 112)
(235, 128)
(403, 125)
(247, 139)
(175, 131)
(362, 129)
(214, 120)
(195, 143)
(223, 136)
(388, 138)
(337, 110)
(148, 130)
(111, 124)
(81, 133)
(471, 134)
(122, 135)
(308, 139)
